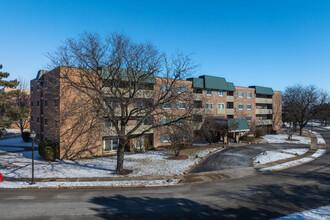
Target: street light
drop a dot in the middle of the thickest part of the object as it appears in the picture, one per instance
(33, 136)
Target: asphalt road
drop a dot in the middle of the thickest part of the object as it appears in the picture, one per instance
(238, 157)
(262, 196)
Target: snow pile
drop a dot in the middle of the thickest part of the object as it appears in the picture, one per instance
(317, 154)
(319, 138)
(327, 127)
(283, 138)
(17, 142)
(7, 184)
(152, 163)
(275, 155)
(320, 213)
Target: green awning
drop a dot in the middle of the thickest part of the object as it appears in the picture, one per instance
(231, 86)
(238, 125)
(125, 75)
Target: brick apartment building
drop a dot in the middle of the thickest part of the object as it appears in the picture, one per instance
(212, 96)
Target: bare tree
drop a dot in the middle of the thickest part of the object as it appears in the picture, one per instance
(181, 137)
(131, 85)
(22, 104)
(301, 104)
(213, 129)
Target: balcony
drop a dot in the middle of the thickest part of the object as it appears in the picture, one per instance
(111, 131)
(264, 111)
(197, 125)
(264, 100)
(197, 111)
(230, 98)
(147, 94)
(221, 111)
(209, 111)
(198, 96)
(264, 122)
(230, 111)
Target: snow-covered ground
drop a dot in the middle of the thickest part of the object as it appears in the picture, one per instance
(327, 127)
(314, 214)
(319, 138)
(16, 131)
(17, 142)
(283, 138)
(275, 155)
(317, 154)
(7, 184)
(152, 163)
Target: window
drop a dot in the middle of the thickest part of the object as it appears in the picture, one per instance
(56, 102)
(249, 95)
(31, 88)
(38, 103)
(240, 106)
(240, 117)
(31, 119)
(111, 144)
(107, 123)
(264, 117)
(181, 105)
(38, 120)
(56, 82)
(165, 88)
(221, 93)
(208, 92)
(31, 103)
(38, 87)
(46, 103)
(181, 89)
(38, 136)
(240, 94)
(209, 105)
(46, 84)
(248, 107)
(165, 138)
(46, 122)
(249, 118)
(165, 120)
(146, 121)
(221, 105)
(167, 105)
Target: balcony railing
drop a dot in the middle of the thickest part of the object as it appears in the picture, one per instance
(230, 111)
(264, 111)
(264, 100)
(198, 96)
(209, 111)
(197, 111)
(264, 122)
(221, 111)
(230, 98)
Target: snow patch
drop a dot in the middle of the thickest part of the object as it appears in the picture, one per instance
(283, 138)
(319, 138)
(320, 213)
(317, 154)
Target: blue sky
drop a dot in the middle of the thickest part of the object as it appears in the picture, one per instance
(270, 43)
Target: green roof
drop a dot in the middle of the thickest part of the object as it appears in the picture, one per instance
(40, 74)
(238, 124)
(263, 90)
(124, 75)
(212, 82)
(231, 86)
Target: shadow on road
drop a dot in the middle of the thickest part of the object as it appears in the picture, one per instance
(121, 207)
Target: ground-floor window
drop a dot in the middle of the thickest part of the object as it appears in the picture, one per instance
(110, 144)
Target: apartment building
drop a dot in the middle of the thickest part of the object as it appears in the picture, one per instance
(212, 97)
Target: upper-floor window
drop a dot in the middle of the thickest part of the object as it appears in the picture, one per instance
(181, 89)
(167, 105)
(56, 102)
(240, 106)
(208, 105)
(31, 119)
(46, 103)
(165, 88)
(181, 105)
(221, 105)
(56, 82)
(221, 93)
(208, 92)
(107, 123)
(38, 103)
(46, 84)
(31, 103)
(31, 88)
(38, 87)
(240, 94)
(46, 121)
(249, 118)
(249, 95)
(147, 121)
(38, 120)
(248, 107)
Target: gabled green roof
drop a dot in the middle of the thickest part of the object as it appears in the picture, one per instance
(231, 86)
(238, 124)
(197, 82)
(40, 74)
(123, 75)
(263, 90)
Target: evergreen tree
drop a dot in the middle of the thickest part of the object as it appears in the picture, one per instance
(6, 105)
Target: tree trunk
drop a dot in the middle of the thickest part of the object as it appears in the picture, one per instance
(120, 156)
(300, 130)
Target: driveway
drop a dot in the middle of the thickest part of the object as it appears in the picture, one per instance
(238, 157)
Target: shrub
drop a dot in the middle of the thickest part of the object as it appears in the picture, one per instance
(26, 136)
(48, 150)
(260, 132)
